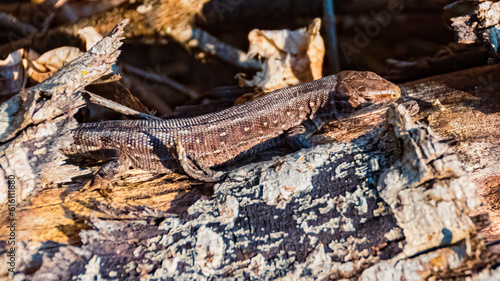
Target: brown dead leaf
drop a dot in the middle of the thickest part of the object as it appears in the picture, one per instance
(54, 59)
(43, 67)
(90, 36)
(49, 62)
(289, 57)
(12, 73)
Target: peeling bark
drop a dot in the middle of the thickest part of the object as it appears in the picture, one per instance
(34, 122)
(481, 26)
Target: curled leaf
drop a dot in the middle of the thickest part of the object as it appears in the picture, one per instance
(12, 73)
(288, 57)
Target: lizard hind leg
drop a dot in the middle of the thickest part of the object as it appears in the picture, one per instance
(101, 180)
(108, 171)
(193, 169)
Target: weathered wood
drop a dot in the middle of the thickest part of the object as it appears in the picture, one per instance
(480, 26)
(34, 122)
(463, 108)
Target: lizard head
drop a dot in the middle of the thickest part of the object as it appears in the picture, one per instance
(357, 89)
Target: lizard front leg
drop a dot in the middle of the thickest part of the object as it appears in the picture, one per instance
(194, 169)
(298, 137)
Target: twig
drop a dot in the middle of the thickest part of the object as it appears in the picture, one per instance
(9, 22)
(210, 44)
(160, 79)
(96, 99)
(331, 35)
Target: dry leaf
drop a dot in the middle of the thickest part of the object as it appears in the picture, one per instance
(54, 59)
(90, 36)
(46, 64)
(12, 73)
(51, 61)
(288, 57)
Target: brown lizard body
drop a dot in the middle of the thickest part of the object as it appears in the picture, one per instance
(200, 143)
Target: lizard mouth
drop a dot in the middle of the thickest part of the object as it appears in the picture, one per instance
(364, 88)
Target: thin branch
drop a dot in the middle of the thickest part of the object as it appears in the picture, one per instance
(210, 44)
(96, 99)
(331, 35)
(160, 79)
(9, 22)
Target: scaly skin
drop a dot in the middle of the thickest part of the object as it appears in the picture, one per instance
(288, 115)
